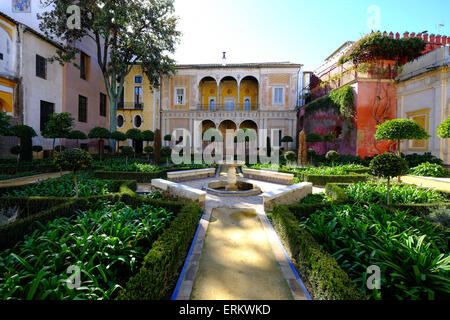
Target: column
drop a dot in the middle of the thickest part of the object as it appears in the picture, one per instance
(218, 97)
(238, 95)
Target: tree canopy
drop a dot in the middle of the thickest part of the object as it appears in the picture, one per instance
(444, 129)
(77, 135)
(4, 123)
(124, 32)
(400, 129)
(58, 126)
(99, 133)
(134, 134)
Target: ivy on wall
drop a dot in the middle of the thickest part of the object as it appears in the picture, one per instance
(341, 100)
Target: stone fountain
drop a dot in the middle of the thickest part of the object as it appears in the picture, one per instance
(232, 186)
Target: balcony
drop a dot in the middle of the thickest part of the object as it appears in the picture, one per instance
(227, 107)
(130, 106)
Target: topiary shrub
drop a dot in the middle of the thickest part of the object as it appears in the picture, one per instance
(166, 152)
(16, 150)
(73, 160)
(37, 149)
(429, 170)
(60, 149)
(444, 129)
(388, 166)
(400, 129)
(416, 159)
(290, 156)
(311, 154)
(118, 136)
(25, 134)
(99, 133)
(77, 135)
(314, 137)
(127, 151)
(332, 156)
(148, 150)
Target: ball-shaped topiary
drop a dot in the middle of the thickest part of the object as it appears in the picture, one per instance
(127, 151)
(314, 137)
(37, 149)
(388, 165)
(444, 129)
(73, 160)
(400, 129)
(332, 156)
(148, 150)
(60, 148)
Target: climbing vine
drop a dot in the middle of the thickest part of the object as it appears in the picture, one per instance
(340, 100)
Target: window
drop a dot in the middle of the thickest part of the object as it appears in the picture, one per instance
(137, 79)
(247, 104)
(47, 109)
(102, 104)
(212, 104)
(84, 66)
(120, 121)
(137, 121)
(82, 109)
(179, 96)
(41, 67)
(229, 104)
(138, 97)
(422, 117)
(1, 56)
(278, 96)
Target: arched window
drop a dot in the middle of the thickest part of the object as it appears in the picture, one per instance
(212, 104)
(247, 105)
(120, 121)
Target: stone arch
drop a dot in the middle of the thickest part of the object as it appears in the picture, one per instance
(208, 93)
(228, 93)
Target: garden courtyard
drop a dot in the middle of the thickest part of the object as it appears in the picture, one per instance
(127, 229)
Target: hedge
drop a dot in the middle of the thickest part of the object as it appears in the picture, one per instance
(141, 177)
(12, 169)
(316, 266)
(321, 180)
(337, 193)
(359, 171)
(304, 210)
(159, 272)
(44, 209)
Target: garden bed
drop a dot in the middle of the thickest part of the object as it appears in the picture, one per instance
(108, 273)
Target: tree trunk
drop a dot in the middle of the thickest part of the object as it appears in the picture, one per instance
(99, 149)
(400, 155)
(76, 183)
(126, 160)
(112, 118)
(53, 149)
(388, 195)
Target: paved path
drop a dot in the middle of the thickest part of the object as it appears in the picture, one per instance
(30, 179)
(237, 254)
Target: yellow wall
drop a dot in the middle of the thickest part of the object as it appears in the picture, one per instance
(229, 89)
(147, 99)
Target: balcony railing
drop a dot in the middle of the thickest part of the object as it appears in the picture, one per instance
(130, 106)
(228, 107)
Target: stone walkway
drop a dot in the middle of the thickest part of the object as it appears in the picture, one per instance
(30, 179)
(237, 255)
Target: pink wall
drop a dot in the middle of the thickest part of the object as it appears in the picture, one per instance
(91, 89)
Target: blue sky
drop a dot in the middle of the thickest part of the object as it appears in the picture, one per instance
(293, 30)
(299, 31)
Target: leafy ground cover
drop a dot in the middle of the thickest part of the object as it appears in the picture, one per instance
(18, 175)
(429, 170)
(412, 253)
(107, 243)
(400, 194)
(64, 187)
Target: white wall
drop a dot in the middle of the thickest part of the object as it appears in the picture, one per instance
(36, 89)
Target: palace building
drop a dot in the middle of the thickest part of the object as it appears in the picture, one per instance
(232, 96)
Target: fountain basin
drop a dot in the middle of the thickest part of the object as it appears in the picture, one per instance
(243, 189)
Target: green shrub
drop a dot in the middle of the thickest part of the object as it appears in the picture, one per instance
(141, 177)
(158, 275)
(410, 251)
(400, 194)
(323, 180)
(332, 156)
(336, 193)
(290, 156)
(318, 268)
(444, 129)
(314, 137)
(429, 170)
(416, 159)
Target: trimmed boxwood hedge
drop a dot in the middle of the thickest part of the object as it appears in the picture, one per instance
(141, 177)
(158, 274)
(360, 171)
(44, 209)
(12, 169)
(316, 266)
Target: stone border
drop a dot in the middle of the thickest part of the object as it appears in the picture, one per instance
(290, 195)
(270, 176)
(172, 190)
(178, 176)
